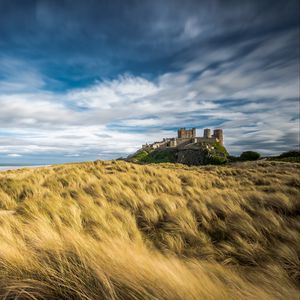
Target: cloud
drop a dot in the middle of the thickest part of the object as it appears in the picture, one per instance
(14, 155)
(100, 91)
(107, 94)
(17, 76)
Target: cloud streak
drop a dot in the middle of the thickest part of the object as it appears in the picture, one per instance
(245, 81)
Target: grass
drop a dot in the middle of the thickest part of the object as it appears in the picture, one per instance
(118, 230)
(160, 156)
(287, 159)
(155, 156)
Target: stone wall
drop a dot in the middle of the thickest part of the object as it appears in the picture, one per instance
(210, 140)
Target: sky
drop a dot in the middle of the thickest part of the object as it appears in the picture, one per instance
(86, 80)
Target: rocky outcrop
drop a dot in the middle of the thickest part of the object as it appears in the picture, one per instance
(192, 156)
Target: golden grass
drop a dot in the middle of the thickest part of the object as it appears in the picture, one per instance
(117, 230)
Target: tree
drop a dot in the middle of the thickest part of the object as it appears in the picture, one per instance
(250, 155)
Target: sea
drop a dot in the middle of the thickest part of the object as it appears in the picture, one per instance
(5, 168)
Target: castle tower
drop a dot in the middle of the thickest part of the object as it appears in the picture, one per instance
(181, 132)
(173, 143)
(186, 133)
(207, 133)
(193, 132)
(218, 133)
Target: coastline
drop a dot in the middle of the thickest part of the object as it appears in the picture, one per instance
(8, 168)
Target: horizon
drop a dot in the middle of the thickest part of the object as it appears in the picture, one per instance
(84, 81)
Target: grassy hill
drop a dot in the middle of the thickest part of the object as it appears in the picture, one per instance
(118, 230)
(197, 154)
(149, 155)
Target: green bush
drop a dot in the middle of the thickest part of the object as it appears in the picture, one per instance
(221, 149)
(219, 155)
(217, 160)
(293, 153)
(140, 156)
(249, 155)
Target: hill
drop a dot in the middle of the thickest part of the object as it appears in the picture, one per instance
(118, 230)
(193, 154)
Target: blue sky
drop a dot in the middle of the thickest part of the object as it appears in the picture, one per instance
(86, 80)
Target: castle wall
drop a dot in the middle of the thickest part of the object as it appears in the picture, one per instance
(206, 140)
(183, 141)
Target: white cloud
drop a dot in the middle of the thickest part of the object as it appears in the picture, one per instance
(253, 102)
(14, 155)
(107, 94)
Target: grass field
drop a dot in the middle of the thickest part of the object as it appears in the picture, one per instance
(117, 230)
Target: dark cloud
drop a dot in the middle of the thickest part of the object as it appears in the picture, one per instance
(95, 39)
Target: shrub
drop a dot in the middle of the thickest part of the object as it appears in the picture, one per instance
(217, 160)
(250, 155)
(219, 155)
(221, 149)
(294, 153)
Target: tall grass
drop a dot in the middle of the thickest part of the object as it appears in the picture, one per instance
(117, 230)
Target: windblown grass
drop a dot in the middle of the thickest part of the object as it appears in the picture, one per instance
(117, 230)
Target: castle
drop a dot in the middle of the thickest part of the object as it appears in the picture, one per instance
(187, 137)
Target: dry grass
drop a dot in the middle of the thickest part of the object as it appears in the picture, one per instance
(116, 230)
